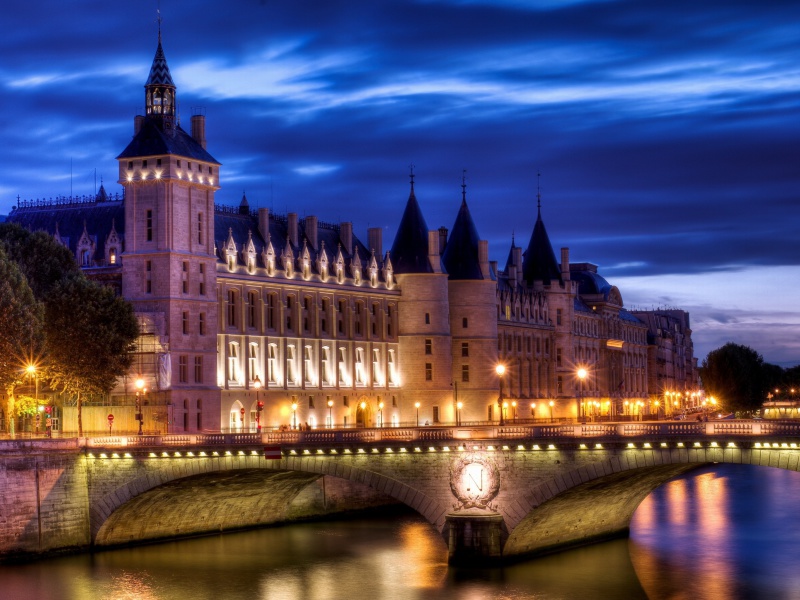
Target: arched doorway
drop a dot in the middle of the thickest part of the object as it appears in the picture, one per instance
(363, 413)
(237, 417)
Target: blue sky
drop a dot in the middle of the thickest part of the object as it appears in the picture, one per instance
(666, 133)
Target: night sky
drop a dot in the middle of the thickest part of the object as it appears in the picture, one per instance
(667, 133)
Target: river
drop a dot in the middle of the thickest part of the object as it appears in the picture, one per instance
(722, 532)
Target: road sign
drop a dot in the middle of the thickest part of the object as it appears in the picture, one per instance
(272, 452)
(110, 418)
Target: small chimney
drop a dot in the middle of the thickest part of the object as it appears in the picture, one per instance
(263, 223)
(433, 251)
(291, 220)
(375, 238)
(442, 239)
(138, 121)
(199, 129)
(346, 236)
(311, 227)
(565, 264)
(483, 258)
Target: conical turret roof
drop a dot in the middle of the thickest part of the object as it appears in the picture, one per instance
(539, 261)
(409, 251)
(159, 71)
(460, 256)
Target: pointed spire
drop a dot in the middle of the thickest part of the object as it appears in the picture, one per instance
(460, 257)
(539, 261)
(160, 103)
(464, 186)
(410, 248)
(244, 205)
(411, 176)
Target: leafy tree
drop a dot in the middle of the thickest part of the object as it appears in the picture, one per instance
(21, 326)
(736, 376)
(90, 338)
(42, 260)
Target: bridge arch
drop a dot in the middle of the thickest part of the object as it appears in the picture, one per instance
(596, 501)
(144, 506)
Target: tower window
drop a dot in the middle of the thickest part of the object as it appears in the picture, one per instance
(149, 224)
(465, 322)
(428, 371)
(427, 318)
(428, 346)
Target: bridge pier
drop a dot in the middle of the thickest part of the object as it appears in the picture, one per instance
(474, 537)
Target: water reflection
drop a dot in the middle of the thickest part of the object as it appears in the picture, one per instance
(726, 531)
(721, 532)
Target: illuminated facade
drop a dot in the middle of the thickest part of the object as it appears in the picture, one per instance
(240, 307)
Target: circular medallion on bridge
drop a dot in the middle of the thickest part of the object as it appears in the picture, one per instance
(475, 481)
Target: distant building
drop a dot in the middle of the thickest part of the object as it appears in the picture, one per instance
(240, 306)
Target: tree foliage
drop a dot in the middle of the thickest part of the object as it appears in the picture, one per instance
(737, 376)
(43, 261)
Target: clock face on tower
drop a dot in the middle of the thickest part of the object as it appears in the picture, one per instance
(474, 480)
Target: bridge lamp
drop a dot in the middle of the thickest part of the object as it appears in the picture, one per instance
(500, 369)
(552, 404)
(459, 406)
(416, 405)
(259, 404)
(514, 406)
(380, 413)
(294, 414)
(533, 409)
(581, 373)
(140, 389)
(330, 413)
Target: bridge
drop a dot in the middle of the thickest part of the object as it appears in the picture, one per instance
(493, 492)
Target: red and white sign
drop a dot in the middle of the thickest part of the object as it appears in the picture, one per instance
(110, 418)
(272, 452)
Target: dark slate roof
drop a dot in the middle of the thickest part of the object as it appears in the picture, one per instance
(409, 251)
(590, 283)
(69, 217)
(580, 306)
(460, 256)
(152, 141)
(242, 226)
(626, 316)
(159, 71)
(539, 261)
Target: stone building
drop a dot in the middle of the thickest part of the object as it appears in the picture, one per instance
(242, 307)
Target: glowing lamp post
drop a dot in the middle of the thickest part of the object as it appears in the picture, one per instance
(259, 404)
(140, 392)
(581, 373)
(459, 406)
(514, 407)
(416, 405)
(380, 413)
(500, 370)
(294, 414)
(330, 414)
(551, 411)
(533, 410)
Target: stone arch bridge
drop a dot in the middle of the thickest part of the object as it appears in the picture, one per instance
(493, 492)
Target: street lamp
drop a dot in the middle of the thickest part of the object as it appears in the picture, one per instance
(551, 410)
(294, 414)
(533, 410)
(514, 406)
(581, 373)
(259, 404)
(380, 413)
(330, 413)
(500, 370)
(459, 406)
(416, 404)
(140, 389)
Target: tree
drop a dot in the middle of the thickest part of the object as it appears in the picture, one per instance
(90, 338)
(21, 339)
(41, 259)
(736, 376)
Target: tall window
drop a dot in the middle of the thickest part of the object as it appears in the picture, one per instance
(558, 316)
(376, 364)
(272, 363)
(308, 363)
(232, 299)
(428, 371)
(202, 289)
(272, 311)
(198, 369)
(185, 278)
(464, 349)
(360, 374)
(289, 308)
(392, 368)
(326, 365)
(185, 322)
(148, 284)
(252, 307)
(343, 366)
(200, 228)
(183, 368)
(428, 346)
(201, 324)
(149, 225)
(465, 373)
(233, 361)
(323, 321)
(291, 368)
(252, 361)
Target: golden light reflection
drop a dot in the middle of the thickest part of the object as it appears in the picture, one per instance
(428, 569)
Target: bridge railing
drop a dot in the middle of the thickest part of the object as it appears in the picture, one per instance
(476, 432)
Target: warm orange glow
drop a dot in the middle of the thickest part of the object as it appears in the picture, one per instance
(500, 370)
(139, 383)
(582, 373)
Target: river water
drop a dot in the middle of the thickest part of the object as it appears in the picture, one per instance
(726, 531)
